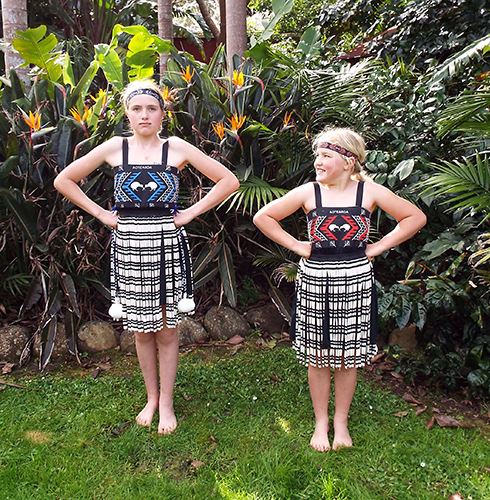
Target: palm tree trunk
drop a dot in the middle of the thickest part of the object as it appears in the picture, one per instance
(222, 21)
(14, 15)
(236, 29)
(165, 29)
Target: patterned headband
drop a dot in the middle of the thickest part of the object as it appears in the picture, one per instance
(337, 149)
(150, 92)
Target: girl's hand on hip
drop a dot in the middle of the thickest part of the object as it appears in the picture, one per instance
(182, 218)
(373, 250)
(303, 249)
(108, 218)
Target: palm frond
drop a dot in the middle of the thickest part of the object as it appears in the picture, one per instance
(15, 284)
(254, 192)
(467, 184)
(287, 271)
(273, 256)
(455, 63)
(467, 113)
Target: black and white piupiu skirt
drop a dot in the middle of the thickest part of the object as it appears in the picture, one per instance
(150, 269)
(334, 322)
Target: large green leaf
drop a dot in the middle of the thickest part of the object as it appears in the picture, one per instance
(279, 9)
(310, 44)
(161, 46)
(37, 49)
(68, 76)
(110, 63)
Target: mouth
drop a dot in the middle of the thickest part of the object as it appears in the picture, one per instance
(320, 170)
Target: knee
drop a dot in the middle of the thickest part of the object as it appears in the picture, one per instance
(167, 336)
(142, 338)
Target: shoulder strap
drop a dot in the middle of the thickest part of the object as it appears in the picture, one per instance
(165, 153)
(318, 195)
(124, 152)
(360, 192)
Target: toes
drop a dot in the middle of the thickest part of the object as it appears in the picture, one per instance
(339, 445)
(166, 430)
(320, 447)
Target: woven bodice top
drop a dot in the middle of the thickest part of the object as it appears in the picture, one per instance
(339, 230)
(146, 185)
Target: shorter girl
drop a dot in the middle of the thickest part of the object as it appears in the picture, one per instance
(151, 275)
(334, 320)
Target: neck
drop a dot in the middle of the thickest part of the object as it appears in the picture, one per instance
(339, 184)
(146, 142)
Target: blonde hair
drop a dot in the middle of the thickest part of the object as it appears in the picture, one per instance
(347, 139)
(137, 85)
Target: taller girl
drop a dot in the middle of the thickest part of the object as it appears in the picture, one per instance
(150, 265)
(334, 322)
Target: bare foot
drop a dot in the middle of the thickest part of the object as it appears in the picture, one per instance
(168, 422)
(341, 437)
(145, 416)
(319, 440)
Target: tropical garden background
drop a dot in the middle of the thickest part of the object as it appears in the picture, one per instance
(412, 76)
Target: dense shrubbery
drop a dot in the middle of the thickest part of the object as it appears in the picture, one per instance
(447, 26)
(260, 124)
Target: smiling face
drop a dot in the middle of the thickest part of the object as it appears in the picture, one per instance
(144, 114)
(331, 166)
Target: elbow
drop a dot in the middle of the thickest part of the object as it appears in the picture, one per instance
(57, 184)
(257, 219)
(422, 220)
(234, 184)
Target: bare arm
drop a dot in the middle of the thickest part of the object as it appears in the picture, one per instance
(67, 180)
(410, 219)
(225, 181)
(267, 219)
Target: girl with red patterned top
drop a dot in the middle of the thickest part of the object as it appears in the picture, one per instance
(334, 320)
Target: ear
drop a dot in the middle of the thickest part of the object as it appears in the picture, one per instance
(350, 164)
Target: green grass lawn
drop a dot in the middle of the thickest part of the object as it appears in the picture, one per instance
(244, 426)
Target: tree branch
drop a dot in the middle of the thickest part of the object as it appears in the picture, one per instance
(209, 20)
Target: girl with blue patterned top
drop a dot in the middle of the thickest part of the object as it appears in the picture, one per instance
(151, 281)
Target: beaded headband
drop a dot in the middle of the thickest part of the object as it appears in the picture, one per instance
(150, 92)
(337, 149)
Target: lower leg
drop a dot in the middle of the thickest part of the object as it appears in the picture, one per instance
(319, 382)
(345, 386)
(147, 357)
(168, 353)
